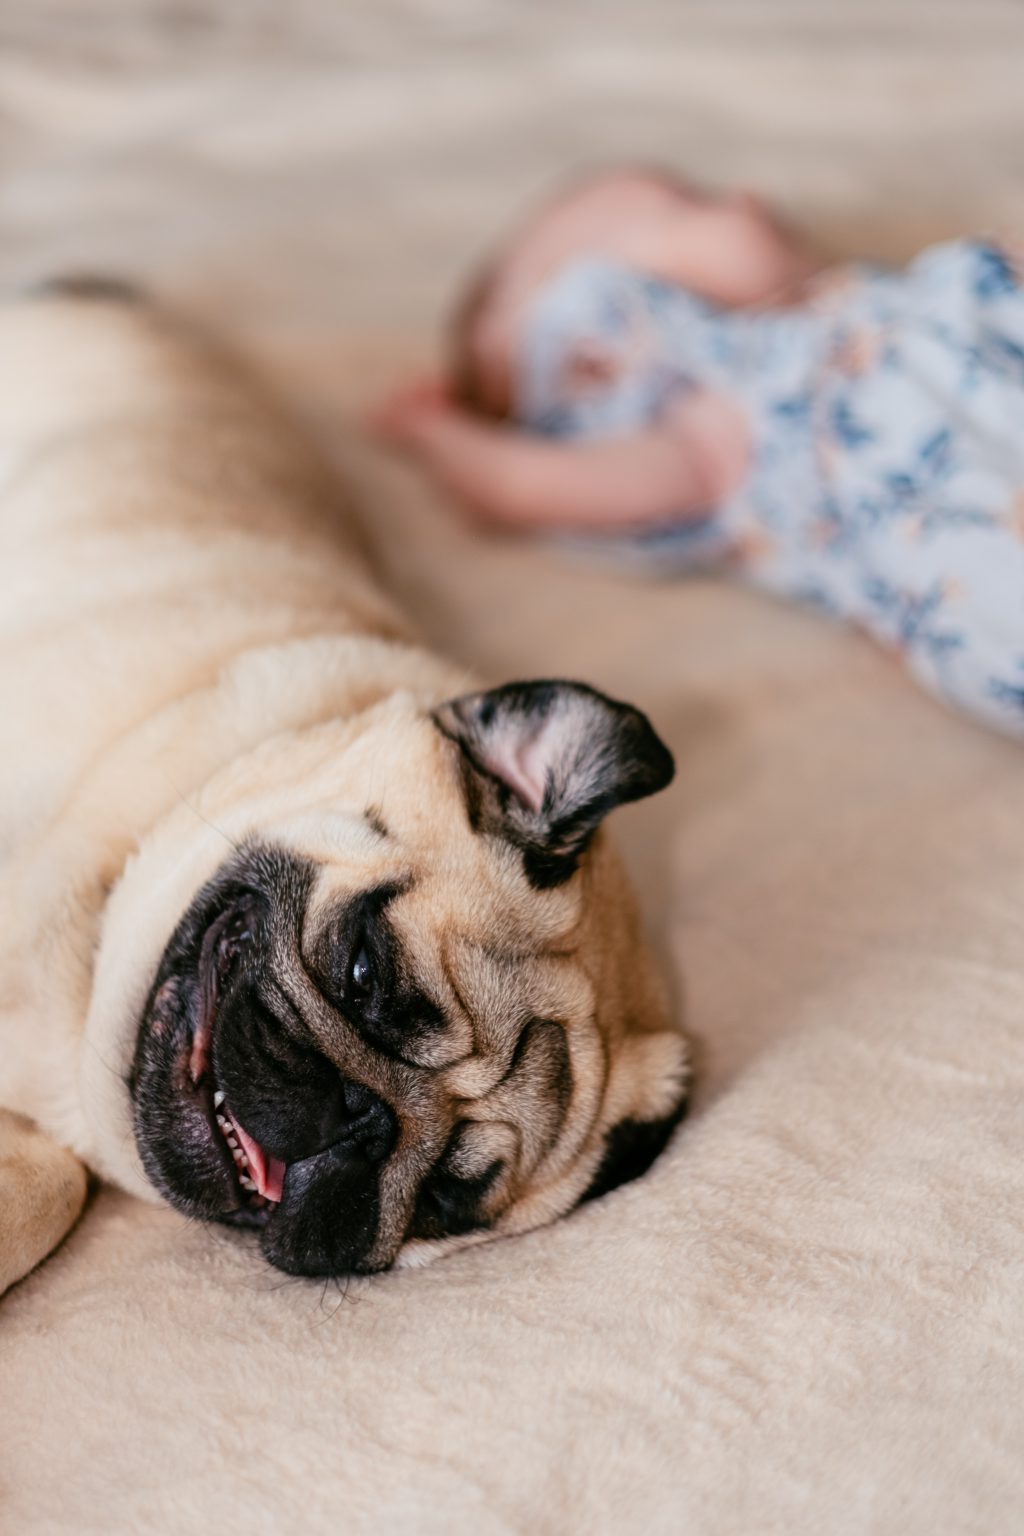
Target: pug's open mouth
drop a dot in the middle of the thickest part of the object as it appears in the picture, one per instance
(258, 1175)
(229, 1172)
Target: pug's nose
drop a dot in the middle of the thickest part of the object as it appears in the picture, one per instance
(365, 1122)
(327, 1218)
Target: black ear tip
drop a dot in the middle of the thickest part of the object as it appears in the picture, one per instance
(89, 287)
(647, 765)
(656, 757)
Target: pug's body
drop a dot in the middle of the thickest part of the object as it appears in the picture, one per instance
(295, 932)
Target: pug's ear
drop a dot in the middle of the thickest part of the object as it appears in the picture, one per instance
(543, 764)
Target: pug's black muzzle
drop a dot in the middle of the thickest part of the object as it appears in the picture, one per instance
(238, 1118)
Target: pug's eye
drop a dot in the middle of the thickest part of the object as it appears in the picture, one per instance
(360, 975)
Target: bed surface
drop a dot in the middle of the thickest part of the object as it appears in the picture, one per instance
(810, 1316)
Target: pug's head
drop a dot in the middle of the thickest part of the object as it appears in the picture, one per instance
(413, 1006)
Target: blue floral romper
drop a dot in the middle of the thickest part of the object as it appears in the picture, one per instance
(887, 412)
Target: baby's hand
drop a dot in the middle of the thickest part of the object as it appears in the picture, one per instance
(407, 414)
(422, 418)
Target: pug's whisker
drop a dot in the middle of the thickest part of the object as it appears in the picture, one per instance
(197, 813)
(281, 1285)
(341, 1285)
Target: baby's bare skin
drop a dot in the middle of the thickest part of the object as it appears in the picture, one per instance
(728, 250)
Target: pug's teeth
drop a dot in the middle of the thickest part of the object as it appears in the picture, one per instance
(232, 1143)
(247, 1183)
(218, 1100)
(224, 1124)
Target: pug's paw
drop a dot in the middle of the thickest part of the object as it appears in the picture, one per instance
(42, 1191)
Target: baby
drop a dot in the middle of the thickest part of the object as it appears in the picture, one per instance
(678, 373)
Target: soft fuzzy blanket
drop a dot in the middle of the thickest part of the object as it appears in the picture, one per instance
(810, 1317)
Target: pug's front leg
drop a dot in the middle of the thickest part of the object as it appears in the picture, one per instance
(42, 1191)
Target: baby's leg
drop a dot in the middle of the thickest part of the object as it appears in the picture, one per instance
(42, 1191)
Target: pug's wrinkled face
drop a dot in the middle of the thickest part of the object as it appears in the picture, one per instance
(447, 1030)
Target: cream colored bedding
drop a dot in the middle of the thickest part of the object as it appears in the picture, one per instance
(810, 1317)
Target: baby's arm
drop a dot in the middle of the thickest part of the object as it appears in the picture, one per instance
(678, 469)
(731, 249)
(736, 253)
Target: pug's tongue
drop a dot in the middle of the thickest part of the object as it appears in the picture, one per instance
(267, 1172)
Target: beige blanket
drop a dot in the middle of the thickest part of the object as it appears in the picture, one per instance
(810, 1317)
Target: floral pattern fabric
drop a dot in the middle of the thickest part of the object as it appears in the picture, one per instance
(887, 414)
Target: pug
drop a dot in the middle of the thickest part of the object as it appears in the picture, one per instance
(301, 931)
